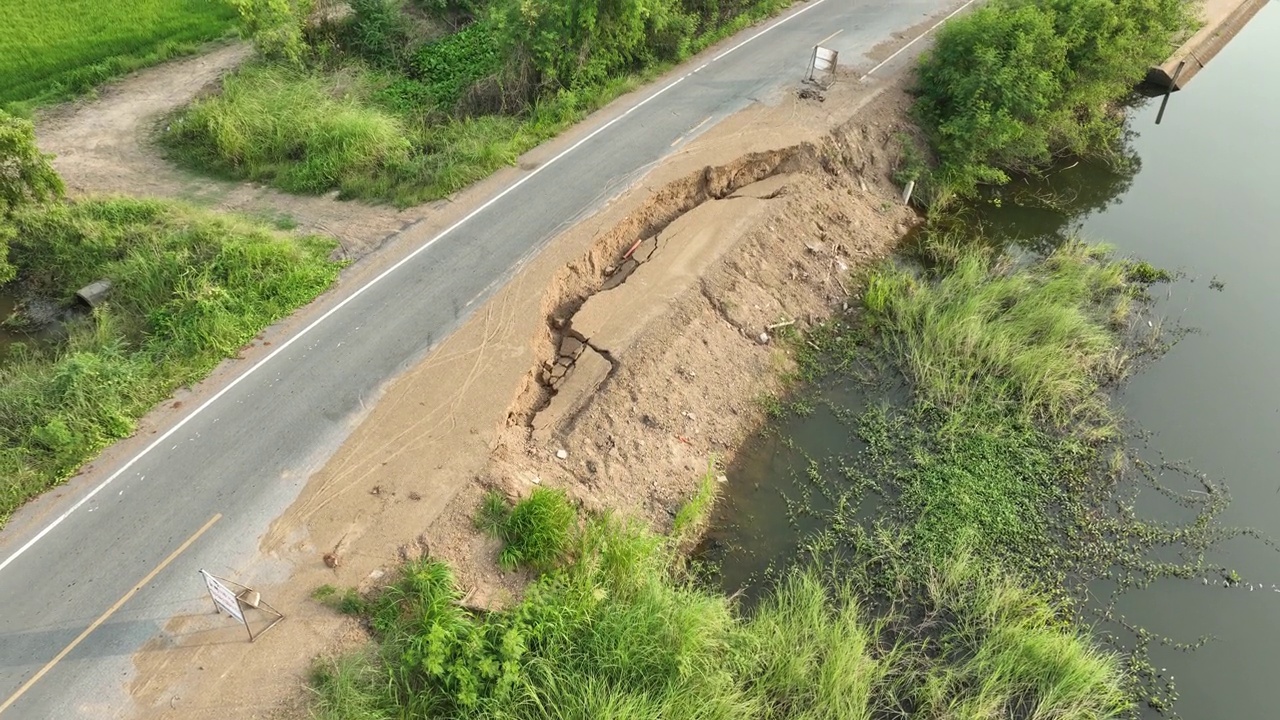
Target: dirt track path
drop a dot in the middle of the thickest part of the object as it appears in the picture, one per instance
(104, 144)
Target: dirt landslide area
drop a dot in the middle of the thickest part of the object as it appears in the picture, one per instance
(617, 365)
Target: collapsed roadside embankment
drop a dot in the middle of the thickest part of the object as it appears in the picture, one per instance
(658, 353)
(750, 230)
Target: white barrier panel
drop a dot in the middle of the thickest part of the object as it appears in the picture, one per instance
(222, 596)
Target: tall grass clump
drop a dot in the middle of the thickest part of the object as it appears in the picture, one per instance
(302, 131)
(1016, 83)
(618, 632)
(1037, 338)
(189, 289)
(536, 531)
(1008, 653)
(692, 517)
(56, 49)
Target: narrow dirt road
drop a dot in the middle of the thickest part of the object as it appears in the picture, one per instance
(105, 145)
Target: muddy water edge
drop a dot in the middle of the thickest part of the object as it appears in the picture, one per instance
(1201, 203)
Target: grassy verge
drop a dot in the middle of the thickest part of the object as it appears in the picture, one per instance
(618, 631)
(189, 289)
(310, 132)
(384, 108)
(57, 49)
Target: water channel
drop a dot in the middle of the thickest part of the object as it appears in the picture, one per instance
(1204, 203)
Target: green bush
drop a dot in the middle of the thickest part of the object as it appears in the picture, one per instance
(277, 27)
(451, 65)
(1016, 83)
(189, 289)
(619, 633)
(26, 178)
(379, 31)
(572, 45)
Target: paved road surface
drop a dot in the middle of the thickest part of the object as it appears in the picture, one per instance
(246, 455)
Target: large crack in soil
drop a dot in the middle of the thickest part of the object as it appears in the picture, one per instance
(618, 253)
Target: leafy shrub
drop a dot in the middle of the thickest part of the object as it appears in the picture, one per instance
(379, 31)
(579, 44)
(1018, 82)
(276, 27)
(450, 65)
(26, 177)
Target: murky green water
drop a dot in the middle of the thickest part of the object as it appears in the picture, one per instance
(1204, 202)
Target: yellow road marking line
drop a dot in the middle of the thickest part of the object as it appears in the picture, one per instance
(110, 611)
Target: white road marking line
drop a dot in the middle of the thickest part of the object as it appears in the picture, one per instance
(692, 131)
(361, 290)
(771, 28)
(828, 38)
(914, 40)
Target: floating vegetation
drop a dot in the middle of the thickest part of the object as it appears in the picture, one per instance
(999, 439)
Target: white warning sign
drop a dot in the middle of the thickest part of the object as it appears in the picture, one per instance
(223, 596)
(824, 60)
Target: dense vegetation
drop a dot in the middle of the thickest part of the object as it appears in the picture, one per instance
(55, 49)
(617, 630)
(409, 100)
(189, 289)
(1017, 83)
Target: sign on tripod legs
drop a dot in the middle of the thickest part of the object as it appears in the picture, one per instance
(236, 603)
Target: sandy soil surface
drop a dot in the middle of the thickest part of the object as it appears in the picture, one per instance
(622, 361)
(104, 144)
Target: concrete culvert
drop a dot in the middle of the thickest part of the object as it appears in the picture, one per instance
(94, 293)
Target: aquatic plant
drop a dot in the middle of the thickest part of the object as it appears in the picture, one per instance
(1034, 338)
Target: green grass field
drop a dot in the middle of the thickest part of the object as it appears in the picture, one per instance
(56, 49)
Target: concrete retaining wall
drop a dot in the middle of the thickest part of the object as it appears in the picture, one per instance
(1223, 19)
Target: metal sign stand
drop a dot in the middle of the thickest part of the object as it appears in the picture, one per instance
(235, 603)
(823, 62)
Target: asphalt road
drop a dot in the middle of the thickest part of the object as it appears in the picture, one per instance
(246, 452)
